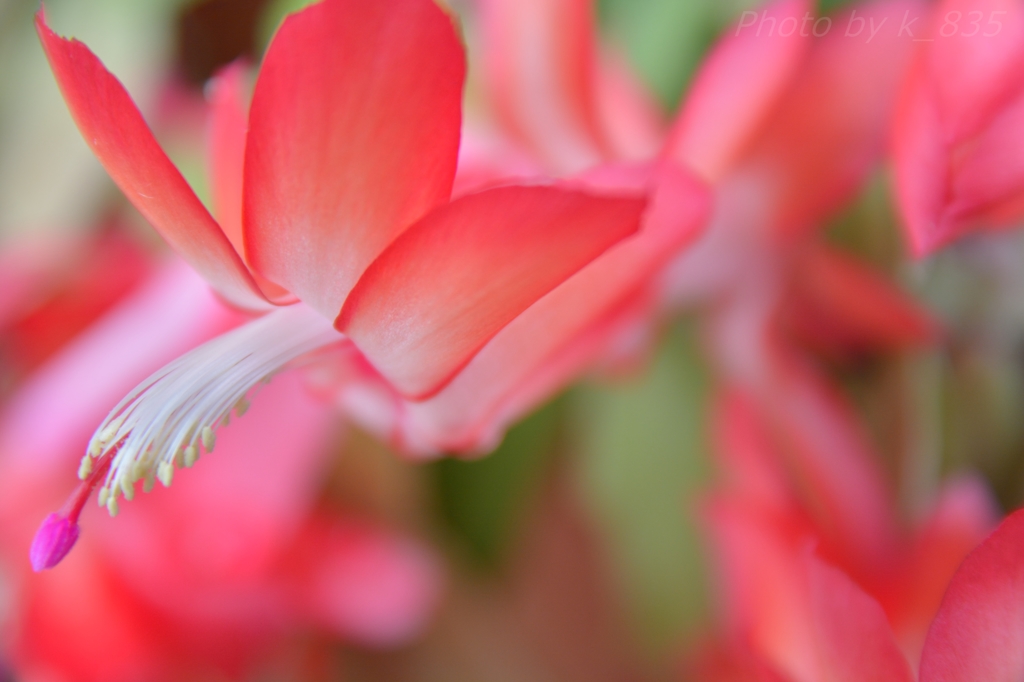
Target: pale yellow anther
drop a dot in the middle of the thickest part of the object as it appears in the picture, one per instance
(241, 407)
(138, 470)
(128, 488)
(101, 496)
(191, 455)
(95, 449)
(209, 438)
(165, 472)
(147, 485)
(226, 419)
(112, 506)
(108, 434)
(179, 457)
(85, 468)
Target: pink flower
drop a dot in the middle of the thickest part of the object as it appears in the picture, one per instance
(959, 124)
(336, 195)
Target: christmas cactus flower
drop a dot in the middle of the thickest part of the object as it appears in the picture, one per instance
(337, 226)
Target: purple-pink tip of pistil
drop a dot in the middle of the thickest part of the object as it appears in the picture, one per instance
(53, 541)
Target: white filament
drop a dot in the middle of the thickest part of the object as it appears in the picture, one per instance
(168, 418)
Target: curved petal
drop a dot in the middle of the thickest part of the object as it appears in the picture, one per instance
(736, 87)
(450, 283)
(115, 130)
(562, 333)
(353, 136)
(978, 631)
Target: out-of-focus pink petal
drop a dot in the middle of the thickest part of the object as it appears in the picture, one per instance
(747, 454)
(78, 624)
(205, 552)
(835, 467)
(922, 168)
(550, 339)
(115, 130)
(763, 585)
(737, 86)
(832, 125)
(452, 281)
(365, 584)
(826, 452)
(841, 302)
(488, 159)
(959, 119)
(988, 177)
(855, 643)
(978, 631)
(974, 63)
(170, 314)
(353, 136)
(540, 63)
(630, 118)
(963, 515)
(30, 267)
(227, 128)
(58, 291)
(729, 662)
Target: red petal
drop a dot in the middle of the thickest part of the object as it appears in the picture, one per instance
(540, 64)
(353, 136)
(988, 181)
(736, 88)
(763, 585)
(979, 629)
(851, 307)
(833, 124)
(963, 515)
(561, 334)
(747, 454)
(449, 284)
(363, 583)
(922, 169)
(120, 138)
(959, 118)
(975, 66)
(855, 643)
(517, 371)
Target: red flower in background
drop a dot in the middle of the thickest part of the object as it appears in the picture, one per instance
(958, 129)
(799, 479)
